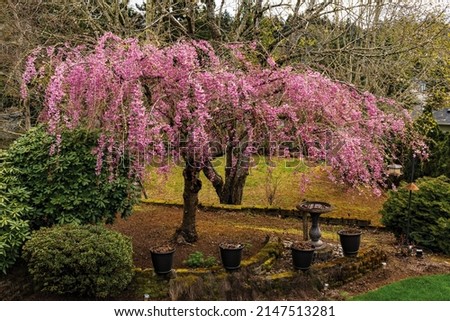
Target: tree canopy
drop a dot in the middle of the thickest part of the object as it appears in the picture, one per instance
(192, 102)
(143, 98)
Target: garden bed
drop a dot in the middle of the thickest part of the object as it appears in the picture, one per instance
(151, 225)
(254, 229)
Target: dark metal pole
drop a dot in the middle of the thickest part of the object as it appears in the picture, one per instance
(408, 222)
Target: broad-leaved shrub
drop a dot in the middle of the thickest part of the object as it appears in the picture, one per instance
(14, 229)
(64, 187)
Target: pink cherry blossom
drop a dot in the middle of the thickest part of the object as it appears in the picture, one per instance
(180, 100)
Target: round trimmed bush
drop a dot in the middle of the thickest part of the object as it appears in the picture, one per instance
(430, 213)
(87, 261)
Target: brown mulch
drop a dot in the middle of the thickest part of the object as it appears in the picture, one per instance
(152, 225)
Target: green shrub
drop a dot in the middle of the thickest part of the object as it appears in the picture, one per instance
(438, 143)
(14, 230)
(88, 261)
(64, 188)
(442, 232)
(197, 259)
(430, 213)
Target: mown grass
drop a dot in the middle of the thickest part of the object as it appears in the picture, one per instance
(425, 288)
(294, 180)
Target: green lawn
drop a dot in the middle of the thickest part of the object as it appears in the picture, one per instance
(295, 182)
(426, 288)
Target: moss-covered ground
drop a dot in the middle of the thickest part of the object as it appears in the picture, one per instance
(294, 182)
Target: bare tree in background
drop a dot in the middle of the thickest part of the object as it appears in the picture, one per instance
(377, 45)
(26, 24)
(380, 46)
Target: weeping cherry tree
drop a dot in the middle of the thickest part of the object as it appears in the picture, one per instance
(187, 102)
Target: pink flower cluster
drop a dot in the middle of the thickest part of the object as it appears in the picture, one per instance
(30, 72)
(183, 99)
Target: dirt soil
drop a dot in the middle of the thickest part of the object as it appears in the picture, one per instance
(152, 225)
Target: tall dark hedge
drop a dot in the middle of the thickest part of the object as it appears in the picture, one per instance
(430, 213)
(438, 143)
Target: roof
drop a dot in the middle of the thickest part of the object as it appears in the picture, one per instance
(442, 116)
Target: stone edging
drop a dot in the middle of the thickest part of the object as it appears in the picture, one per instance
(252, 282)
(268, 210)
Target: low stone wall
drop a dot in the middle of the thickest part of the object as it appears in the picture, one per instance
(344, 270)
(254, 280)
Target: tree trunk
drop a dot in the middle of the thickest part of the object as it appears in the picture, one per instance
(192, 185)
(235, 178)
(149, 19)
(212, 23)
(232, 190)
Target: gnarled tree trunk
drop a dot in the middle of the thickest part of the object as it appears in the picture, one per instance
(232, 190)
(192, 185)
(235, 178)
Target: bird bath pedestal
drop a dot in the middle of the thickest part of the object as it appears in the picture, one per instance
(314, 209)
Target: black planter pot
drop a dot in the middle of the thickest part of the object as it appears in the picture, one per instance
(350, 241)
(231, 256)
(302, 258)
(162, 262)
